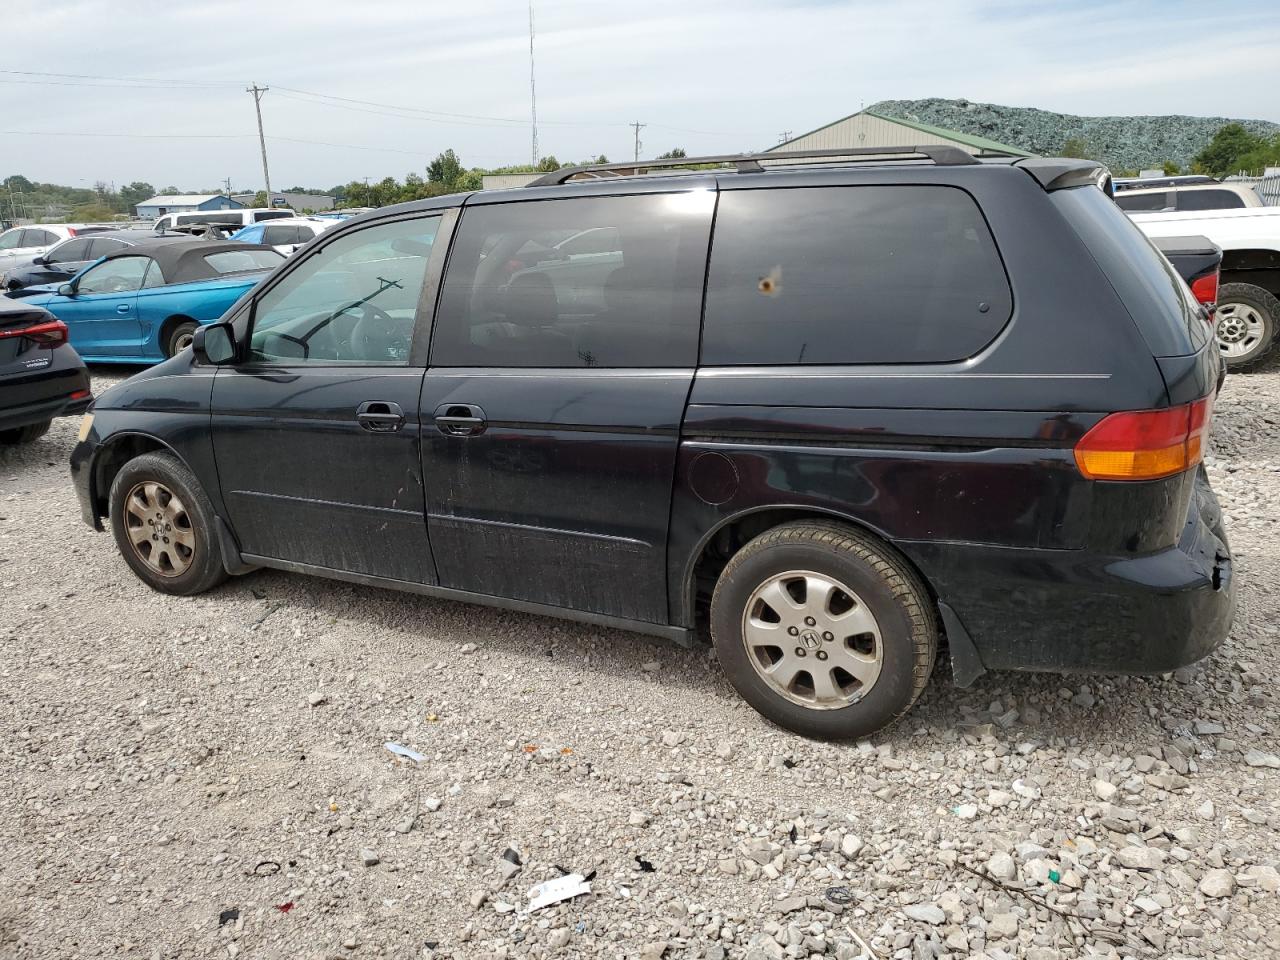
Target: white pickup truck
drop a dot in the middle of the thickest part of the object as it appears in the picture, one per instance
(1248, 309)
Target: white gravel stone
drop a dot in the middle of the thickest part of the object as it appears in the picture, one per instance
(1217, 884)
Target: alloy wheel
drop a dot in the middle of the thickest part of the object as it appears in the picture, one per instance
(159, 529)
(812, 640)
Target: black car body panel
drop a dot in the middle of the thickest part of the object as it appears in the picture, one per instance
(610, 490)
(37, 382)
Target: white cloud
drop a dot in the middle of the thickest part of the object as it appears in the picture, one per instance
(742, 71)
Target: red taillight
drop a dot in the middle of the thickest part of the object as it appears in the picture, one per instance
(71, 231)
(80, 394)
(49, 334)
(1205, 289)
(1145, 444)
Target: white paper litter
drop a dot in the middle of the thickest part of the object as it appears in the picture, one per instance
(553, 891)
(405, 752)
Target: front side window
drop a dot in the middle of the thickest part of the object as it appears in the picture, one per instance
(1209, 200)
(242, 261)
(860, 274)
(73, 251)
(121, 275)
(354, 300)
(583, 282)
(9, 239)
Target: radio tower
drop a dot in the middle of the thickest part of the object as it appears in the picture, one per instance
(533, 90)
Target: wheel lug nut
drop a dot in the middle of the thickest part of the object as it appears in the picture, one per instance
(821, 654)
(828, 636)
(800, 652)
(793, 631)
(809, 621)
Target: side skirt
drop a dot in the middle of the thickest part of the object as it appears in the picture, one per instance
(680, 635)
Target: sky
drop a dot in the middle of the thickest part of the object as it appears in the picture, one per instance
(155, 91)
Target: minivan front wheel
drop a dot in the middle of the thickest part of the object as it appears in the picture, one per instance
(163, 524)
(824, 630)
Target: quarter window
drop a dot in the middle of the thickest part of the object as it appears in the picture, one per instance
(874, 274)
(583, 282)
(353, 300)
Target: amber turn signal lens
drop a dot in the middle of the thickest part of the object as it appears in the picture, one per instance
(1145, 444)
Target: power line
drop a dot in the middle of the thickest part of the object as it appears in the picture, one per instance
(168, 81)
(257, 92)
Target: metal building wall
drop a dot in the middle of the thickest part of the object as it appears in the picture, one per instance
(864, 130)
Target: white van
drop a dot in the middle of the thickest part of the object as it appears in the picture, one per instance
(228, 220)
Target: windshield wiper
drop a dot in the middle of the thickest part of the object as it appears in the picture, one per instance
(385, 285)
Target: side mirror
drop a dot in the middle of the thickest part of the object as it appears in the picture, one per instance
(214, 344)
(67, 290)
(40, 261)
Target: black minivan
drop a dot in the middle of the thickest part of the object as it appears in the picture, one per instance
(834, 408)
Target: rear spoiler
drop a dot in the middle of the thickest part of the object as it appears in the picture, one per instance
(1058, 173)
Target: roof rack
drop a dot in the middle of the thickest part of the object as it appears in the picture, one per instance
(941, 154)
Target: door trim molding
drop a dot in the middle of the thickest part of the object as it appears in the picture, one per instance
(328, 504)
(683, 636)
(530, 528)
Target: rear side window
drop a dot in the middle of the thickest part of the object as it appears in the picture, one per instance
(1209, 200)
(1144, 202)
(279, 236)
(239, 261)
(1152, 292)
(874, 274)
(582, 282)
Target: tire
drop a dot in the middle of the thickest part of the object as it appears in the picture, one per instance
(25, 434)
(904, 634)
(1244, 324)
(179, 338)
(157, 492)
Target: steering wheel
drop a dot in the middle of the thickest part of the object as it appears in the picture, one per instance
(377, 335)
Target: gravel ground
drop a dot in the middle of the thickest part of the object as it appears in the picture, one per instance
(206, 777)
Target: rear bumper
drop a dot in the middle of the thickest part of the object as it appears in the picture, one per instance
(1072, 611)
(43, 410)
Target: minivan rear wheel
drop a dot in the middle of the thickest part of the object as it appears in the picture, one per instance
(1244, 323)
(824, 630)
(163, 524)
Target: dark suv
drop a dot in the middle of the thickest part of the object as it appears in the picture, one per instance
(835, 411)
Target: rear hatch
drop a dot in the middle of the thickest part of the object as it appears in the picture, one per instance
(29, 336)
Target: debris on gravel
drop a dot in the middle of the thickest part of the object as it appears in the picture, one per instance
(173, 761)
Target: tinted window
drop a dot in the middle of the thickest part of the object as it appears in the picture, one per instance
(272, 215)
(852, 275)
(39, 238)
(1148, 202)
(354, 300)
(281, 235)
(121, 275)
(10, 239)
(515, 297)
(1209, 200)
(72, 251)
(240, 261)
(229, 217)
(1150, 288)
(104, 245)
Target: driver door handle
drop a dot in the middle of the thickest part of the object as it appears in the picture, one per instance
(380, 416)
(460, 420)
(122, 308)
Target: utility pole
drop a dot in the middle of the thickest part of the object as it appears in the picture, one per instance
(257, 92)
(227, 181)
(533, 90)
(638, 127)
(786, 135)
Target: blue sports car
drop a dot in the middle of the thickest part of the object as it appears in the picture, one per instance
(143, 303)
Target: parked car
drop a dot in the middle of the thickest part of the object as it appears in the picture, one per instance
(1248, 309)
(1177, 180)
(834, 435)
(1210, 196)
(41, 376)
(286, 234)
(64, 260)
(20, 245)
(228, 219)
(143, 303)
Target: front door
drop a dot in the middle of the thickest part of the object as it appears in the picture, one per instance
(102, 314)
(552, 407)
(315, 429)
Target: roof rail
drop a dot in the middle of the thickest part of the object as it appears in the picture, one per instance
(941, 154)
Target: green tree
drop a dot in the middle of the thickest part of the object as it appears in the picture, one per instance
(1224, 153)
(1077, 148)
(548, 164)
(675, 153)
(92, 212)
(260, 199)
(445, 168)
(169, 191)
(1171, 169)
(135, 193)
